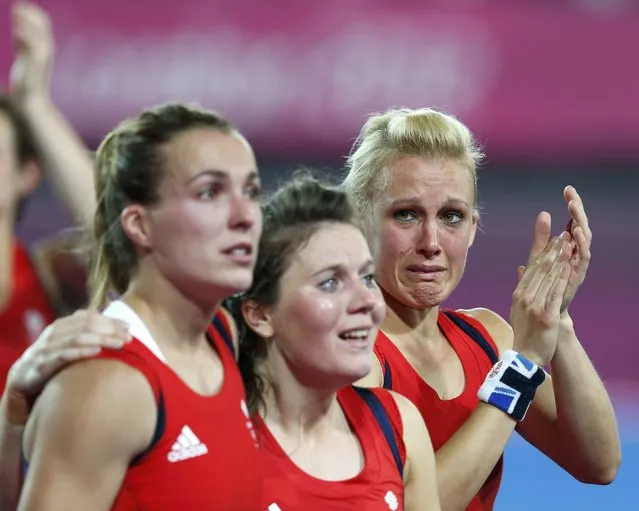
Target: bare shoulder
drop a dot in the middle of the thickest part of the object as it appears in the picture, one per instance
(498, 328)
(233, 328)
(93, 400)
(411, 417)
(420, 458)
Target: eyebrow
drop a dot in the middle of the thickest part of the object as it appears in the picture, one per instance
(221, 174)
(369, 263)
(416, 199)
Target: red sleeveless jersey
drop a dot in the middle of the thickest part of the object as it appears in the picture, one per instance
(25, 315)
(444, 417)
(204, 455)
(378, 487)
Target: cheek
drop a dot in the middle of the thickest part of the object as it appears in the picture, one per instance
(189, 224)
(379, 311)
(457, 247)
(316, 315)
(305, 324)
(393, 242)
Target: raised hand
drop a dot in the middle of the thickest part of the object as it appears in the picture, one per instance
(581, 240)
(582, 236)
(34, 48)
(536, 304)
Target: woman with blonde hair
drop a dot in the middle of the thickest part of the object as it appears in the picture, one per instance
(412, 176)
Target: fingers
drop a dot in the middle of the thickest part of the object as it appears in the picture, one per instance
(520, 273)
(57, 360)
(85, 328)
(583, 246)
(541, 235)
(556, 294)
(540, 276)
(538, 268)
(577, 211)
(551, 286)
(30, 23)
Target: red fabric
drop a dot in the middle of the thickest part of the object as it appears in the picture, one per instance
(26, 314)
(227, 475)
(444, 417)
(286, 487)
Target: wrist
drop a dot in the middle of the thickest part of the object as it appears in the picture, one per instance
(15, 407)
(511, 384)
(533, 357)
(565, 321)
(34, 102)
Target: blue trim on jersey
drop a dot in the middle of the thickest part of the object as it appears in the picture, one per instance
(388, 377)
(469, 330)
(160, 425)
(381, 416)
(475, 335)
(221, 329)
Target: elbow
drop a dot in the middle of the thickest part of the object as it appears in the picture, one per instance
(607, 476)
(602, 475)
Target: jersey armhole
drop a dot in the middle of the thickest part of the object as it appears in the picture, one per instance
(476, 331)
(221, 325)
(387, 377)
(139, 364)
(389, 421)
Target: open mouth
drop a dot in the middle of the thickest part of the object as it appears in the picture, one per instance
(240, 253)
(357, 337)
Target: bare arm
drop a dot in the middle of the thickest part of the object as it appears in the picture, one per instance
(14, 412)
(420, 480)
(571, 419)
(80, 335)
(64, 155)
(6, 255)
(78, 456)
(468, 457)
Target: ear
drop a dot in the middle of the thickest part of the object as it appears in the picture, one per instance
(137, 226)
(258, 318)
(473, 227)
(29, 178)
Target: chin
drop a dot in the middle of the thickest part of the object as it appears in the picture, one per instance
(359, 371)
(235, 282)
(426, 297)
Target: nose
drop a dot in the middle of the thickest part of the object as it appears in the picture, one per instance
(244, 212)
(428, 242)
(364, 298)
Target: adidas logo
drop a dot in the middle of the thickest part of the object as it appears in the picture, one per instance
(187, 446)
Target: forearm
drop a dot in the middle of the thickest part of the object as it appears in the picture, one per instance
(65, 156)
(586, 420)
(10, 438)
(467, 459)
(6, 258)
